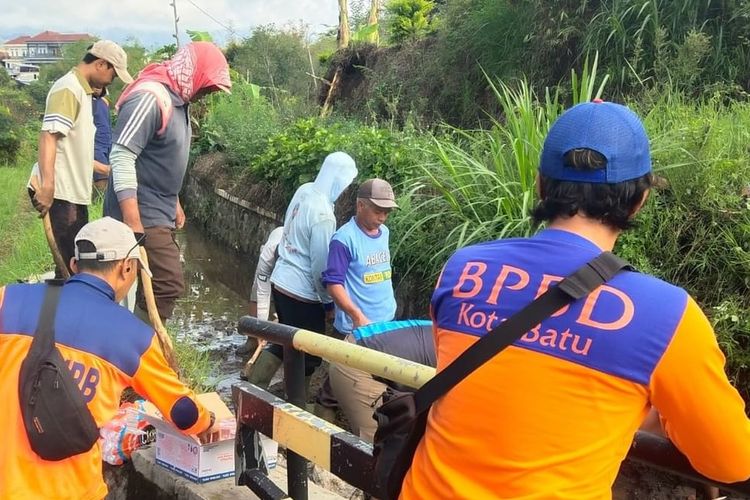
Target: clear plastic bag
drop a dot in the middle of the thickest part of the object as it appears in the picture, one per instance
(125, 433)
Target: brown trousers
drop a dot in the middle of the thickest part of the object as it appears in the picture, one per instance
(164, 262)
(357, 394)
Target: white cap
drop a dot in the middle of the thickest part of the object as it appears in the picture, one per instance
(114, 55)
(112, 240)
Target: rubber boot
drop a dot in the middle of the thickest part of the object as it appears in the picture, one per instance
(248, 347)
(325, 413)
(262, 371)
(142, 315)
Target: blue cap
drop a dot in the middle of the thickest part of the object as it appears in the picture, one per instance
(611, 130)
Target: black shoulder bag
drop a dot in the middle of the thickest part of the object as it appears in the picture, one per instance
(57, 421)
(402, 418)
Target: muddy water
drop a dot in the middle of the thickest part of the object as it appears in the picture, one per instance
(217, 287)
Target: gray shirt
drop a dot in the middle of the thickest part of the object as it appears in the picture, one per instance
(161, 159)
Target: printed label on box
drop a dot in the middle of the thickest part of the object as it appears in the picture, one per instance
(186, 456)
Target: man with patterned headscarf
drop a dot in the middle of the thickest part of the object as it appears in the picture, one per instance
(150, 154)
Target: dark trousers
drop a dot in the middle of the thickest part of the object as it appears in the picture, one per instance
(307, 315)
(66, 219)
(164, 261)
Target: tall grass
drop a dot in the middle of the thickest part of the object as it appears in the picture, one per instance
(694, 232)
(23, 248)
(641, 38)
(480, 185)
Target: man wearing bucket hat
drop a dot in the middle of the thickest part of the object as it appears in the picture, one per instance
(106, 348)
(61, 179)
(553, 415)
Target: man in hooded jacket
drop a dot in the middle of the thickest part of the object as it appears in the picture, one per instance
(149, 158)
(299, 295)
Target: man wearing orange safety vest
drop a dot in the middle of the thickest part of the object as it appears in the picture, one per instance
(106, 348)
(554, 414)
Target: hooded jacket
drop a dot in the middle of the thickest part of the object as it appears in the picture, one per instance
(309, 224)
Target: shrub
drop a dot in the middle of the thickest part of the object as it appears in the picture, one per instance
(239, 124)
(294, 155)
(408, 19)
(10, 137)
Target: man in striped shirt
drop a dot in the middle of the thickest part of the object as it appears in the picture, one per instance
(149, 157)
(61, 179)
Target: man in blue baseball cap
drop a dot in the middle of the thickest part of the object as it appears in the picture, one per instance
(553, 415)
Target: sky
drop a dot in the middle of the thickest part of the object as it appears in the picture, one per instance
(151, 22)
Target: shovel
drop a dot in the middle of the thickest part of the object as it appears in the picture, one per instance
(153, 315)
(56, 256)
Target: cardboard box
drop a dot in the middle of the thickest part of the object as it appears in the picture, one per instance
(186, 455)
(269, 451)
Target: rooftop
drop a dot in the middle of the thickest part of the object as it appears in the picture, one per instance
(19, 40)
(53, 36)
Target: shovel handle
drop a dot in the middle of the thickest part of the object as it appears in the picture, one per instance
(153, 315)
(56, 255)
(261, 345)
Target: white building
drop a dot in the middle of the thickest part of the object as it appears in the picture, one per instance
(16, 48)
(42, 48)
(22, 72)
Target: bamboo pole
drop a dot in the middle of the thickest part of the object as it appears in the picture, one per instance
(153, 315)
(331, 91)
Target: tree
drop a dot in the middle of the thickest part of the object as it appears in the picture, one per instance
(164, 52)
(409, 19)
(343, 35)
(372, 20)
(273, 58)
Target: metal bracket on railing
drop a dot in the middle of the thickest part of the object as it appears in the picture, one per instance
(260, 484)
(250, 465)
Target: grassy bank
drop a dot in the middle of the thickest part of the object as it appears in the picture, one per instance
(23, 248)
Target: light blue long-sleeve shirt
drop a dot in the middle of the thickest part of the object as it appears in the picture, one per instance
(309, 224)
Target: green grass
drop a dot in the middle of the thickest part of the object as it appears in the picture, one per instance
(196, 366)
(23, 247)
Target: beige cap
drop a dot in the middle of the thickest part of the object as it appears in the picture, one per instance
(114, 55)
(379, 192)
(112, 240)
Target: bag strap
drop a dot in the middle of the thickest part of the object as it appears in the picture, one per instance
(576, 286)
(44, 337)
